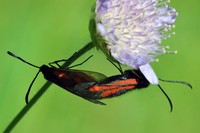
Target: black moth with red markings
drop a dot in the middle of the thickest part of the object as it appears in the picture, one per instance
(111, 86)
(93, 86)
(63, 77)
(88, 84)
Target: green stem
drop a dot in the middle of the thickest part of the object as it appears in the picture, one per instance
(43, 89)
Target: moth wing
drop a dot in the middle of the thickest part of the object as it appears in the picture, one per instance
(113, 88)
(82, 91)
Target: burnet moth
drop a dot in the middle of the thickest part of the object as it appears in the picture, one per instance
(119, 84)
(129, 80)
(89, 85)
(66, 78)
(94, 86)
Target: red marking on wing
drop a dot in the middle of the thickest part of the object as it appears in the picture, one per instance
(61, 75)
(126, 82)
(114, 91)
(114, 87)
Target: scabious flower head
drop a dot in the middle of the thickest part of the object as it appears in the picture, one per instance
(130, 31)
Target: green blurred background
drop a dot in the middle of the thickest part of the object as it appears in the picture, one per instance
(41, 31)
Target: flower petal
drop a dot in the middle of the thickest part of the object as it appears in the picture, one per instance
(149, 73)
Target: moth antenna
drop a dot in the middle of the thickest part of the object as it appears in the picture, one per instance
(169, 100)
(176, 81)
(29, 89)
(15, 56)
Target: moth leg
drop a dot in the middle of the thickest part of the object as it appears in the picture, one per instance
(95, 101)
(65, 60)
(118, 67)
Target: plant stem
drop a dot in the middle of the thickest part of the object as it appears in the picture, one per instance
(43, 89)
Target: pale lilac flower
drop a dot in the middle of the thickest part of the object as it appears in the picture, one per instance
(130, 31)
